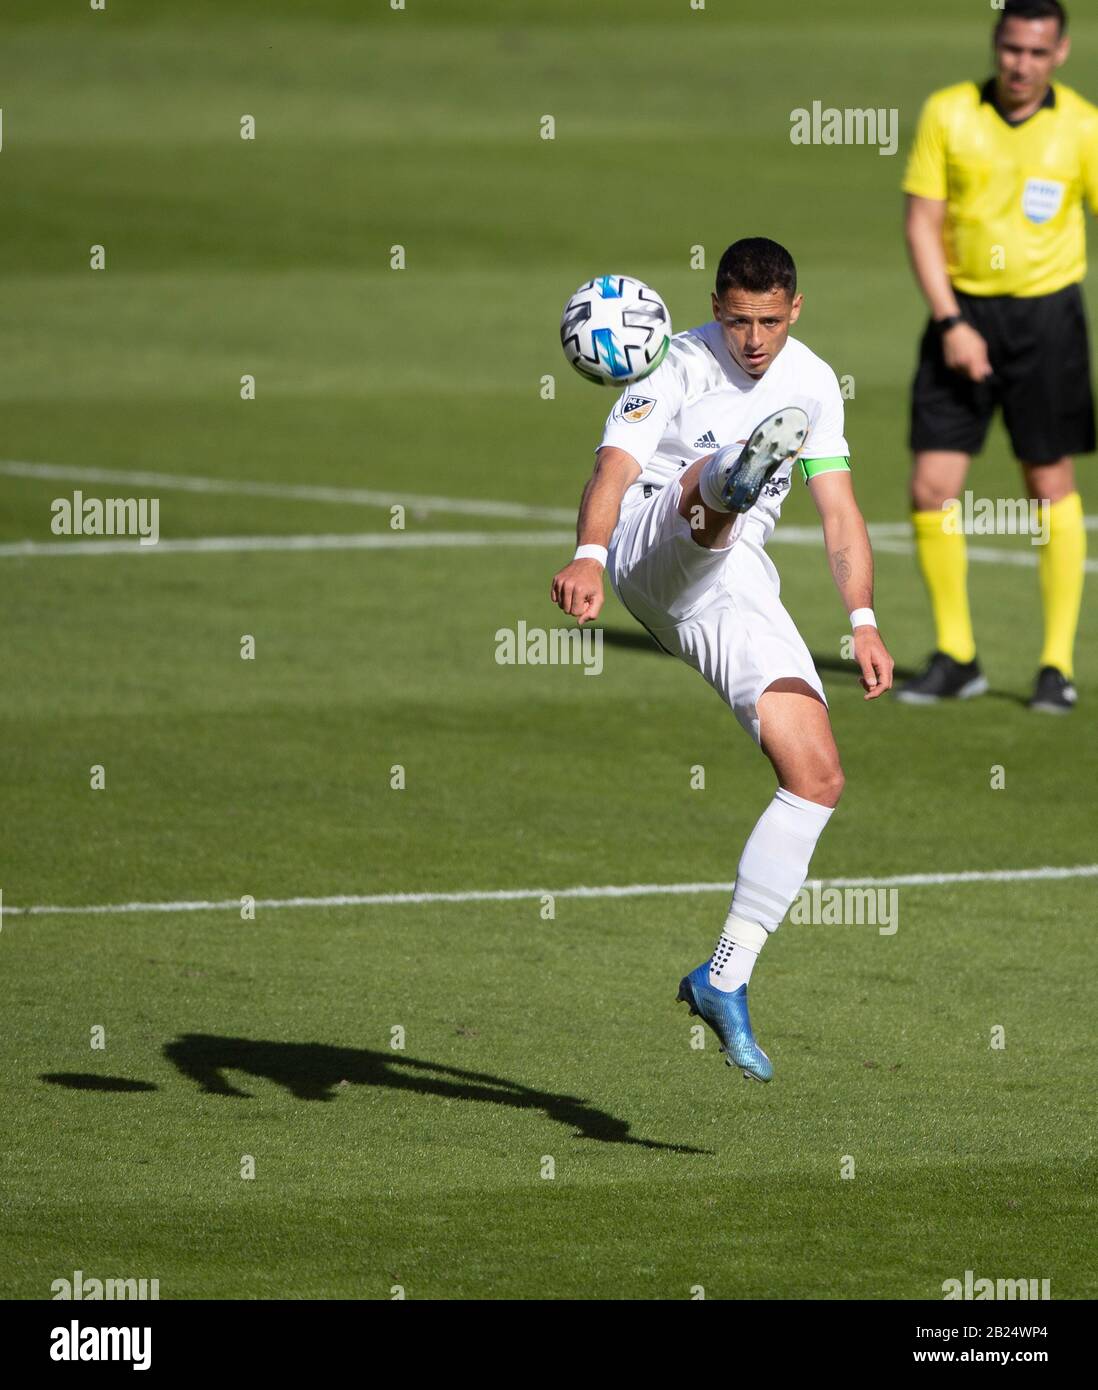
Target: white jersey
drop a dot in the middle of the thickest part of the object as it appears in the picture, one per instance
(700, 399)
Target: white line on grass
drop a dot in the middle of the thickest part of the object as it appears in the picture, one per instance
(353, 496)
(887, 540)
(369, 540)
(506, 895)
(368, 497)
(427, 540)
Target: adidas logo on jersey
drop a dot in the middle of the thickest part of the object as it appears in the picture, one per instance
(707, 441)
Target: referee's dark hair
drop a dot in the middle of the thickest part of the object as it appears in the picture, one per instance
(1033, 9)
(756, 264)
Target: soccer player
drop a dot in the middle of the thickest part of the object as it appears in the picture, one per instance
(689, 480)
(995, 228)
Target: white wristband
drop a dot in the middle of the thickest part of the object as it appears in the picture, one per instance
(591, 552)
(862, 617)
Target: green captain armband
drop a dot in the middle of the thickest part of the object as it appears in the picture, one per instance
(811, 468)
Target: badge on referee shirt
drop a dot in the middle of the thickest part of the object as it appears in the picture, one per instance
(1041, 199)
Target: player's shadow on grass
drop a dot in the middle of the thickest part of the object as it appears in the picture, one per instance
(88, 1081)
(638, 640)
(312, 1071)
(642, 642)
(837, 666)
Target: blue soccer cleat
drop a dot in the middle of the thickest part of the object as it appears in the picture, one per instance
(743, 473)
(726, 1014)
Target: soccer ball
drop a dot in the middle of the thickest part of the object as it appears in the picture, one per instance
(615, 330)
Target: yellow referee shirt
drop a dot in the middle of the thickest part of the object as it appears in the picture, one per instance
(1013, 193)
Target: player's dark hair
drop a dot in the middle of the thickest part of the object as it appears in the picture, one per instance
(758, 265)
(1033, 9)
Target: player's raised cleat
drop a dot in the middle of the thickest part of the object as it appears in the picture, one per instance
(726, 1014)
(943, 679)
(1053, 693)
(740, 477)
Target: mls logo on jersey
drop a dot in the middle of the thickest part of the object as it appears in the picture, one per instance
(636, 408)
(1041, 199)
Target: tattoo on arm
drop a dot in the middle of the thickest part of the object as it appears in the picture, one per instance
(840, 565)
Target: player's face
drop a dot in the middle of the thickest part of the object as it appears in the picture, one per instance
(1028, 52)
(756, 326)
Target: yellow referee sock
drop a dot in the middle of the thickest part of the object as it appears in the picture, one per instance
(1062, 567)
(943, 559)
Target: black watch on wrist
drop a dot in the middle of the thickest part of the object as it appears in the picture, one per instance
(950, 321)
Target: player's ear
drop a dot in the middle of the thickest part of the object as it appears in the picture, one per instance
(716, 304)
(795, 308)
(1063, 48)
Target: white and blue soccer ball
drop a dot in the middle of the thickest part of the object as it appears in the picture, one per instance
(615, 330)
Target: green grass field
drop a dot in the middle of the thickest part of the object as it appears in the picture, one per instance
(525, 1039)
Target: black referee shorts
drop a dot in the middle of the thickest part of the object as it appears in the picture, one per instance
(1041, 359)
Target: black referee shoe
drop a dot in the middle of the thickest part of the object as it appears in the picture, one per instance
(1053, 693)
(944, 679)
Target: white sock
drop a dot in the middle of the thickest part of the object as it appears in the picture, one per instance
(712, 476)
(737, 951)
(772, 871)
(774, 863)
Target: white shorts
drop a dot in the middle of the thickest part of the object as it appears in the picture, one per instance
(719, 610)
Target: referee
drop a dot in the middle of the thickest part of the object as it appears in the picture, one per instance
(995, 187)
